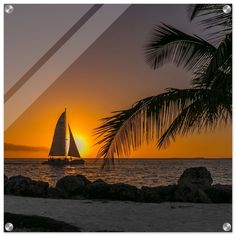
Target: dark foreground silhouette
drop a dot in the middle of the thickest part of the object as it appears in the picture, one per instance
(194, 185)
(37, 224)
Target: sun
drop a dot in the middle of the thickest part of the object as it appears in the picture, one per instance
(81, 143)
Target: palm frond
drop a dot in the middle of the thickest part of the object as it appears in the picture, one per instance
(210, 14)
(161, 118)
(212, 17)
(146, 120)
(176, 112)
(121, 126)
(219, 70)
(195, 9)
(168, 44)
(205, 113)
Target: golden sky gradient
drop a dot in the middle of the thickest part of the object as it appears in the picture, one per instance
(84, 109)
(108, 77)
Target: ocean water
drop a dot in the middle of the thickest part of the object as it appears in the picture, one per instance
(138, 172)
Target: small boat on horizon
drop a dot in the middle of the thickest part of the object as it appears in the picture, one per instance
(58, 147)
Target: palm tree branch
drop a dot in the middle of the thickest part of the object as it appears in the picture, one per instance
(220, 66)
(145, 121)
(198, 115)
(209, 15)
(168, 44)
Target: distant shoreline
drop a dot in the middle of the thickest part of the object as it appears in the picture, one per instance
(139, 158)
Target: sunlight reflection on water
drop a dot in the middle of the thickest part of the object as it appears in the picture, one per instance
(138, 172)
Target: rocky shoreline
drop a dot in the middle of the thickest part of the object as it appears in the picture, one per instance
(194, 185)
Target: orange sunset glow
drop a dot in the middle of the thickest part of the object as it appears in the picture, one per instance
(118, 117)
(35, 128)
(110, 77)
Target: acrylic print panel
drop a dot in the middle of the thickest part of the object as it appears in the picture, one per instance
(118, 118)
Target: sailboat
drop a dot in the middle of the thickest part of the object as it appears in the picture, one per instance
(58, 147)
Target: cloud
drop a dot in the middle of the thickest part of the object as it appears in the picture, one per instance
(15, 147)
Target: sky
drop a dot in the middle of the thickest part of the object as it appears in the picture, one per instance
(111, 75)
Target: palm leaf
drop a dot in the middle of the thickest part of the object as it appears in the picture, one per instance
(146, 120)
(195, 9)
(207, 112)
(210, 15)
(168, 44)
(219, 69)
(177, 111)
(160, 118)
(212, 18)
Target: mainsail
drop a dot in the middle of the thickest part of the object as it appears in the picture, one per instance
(73, 150)
(58, 147)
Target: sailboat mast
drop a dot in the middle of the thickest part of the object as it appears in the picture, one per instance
(65, 134)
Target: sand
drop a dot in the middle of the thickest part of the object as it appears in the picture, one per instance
(91, 215)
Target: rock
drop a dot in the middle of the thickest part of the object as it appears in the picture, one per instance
(190, 193)
(73, 184)
(99, 181)
(17, 185)
(122, 191)
(24, 186)
(150, 194)
(198, 176)
(56, 193)
(98, 189)
(5, 179)
(39, 189)
(220, 193)
(158, 194)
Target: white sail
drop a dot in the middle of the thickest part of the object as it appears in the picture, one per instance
(58, 147)
(73, 150)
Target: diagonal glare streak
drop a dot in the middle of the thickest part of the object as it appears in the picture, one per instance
(52, 51)
(40, 81)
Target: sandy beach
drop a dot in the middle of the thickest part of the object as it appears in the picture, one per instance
(104, 215)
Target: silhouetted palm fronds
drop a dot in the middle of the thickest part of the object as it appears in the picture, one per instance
(204, 106)
(210, 15)
(168, 44)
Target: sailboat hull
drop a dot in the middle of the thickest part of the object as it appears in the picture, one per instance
(63, 162)
(77, 162)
